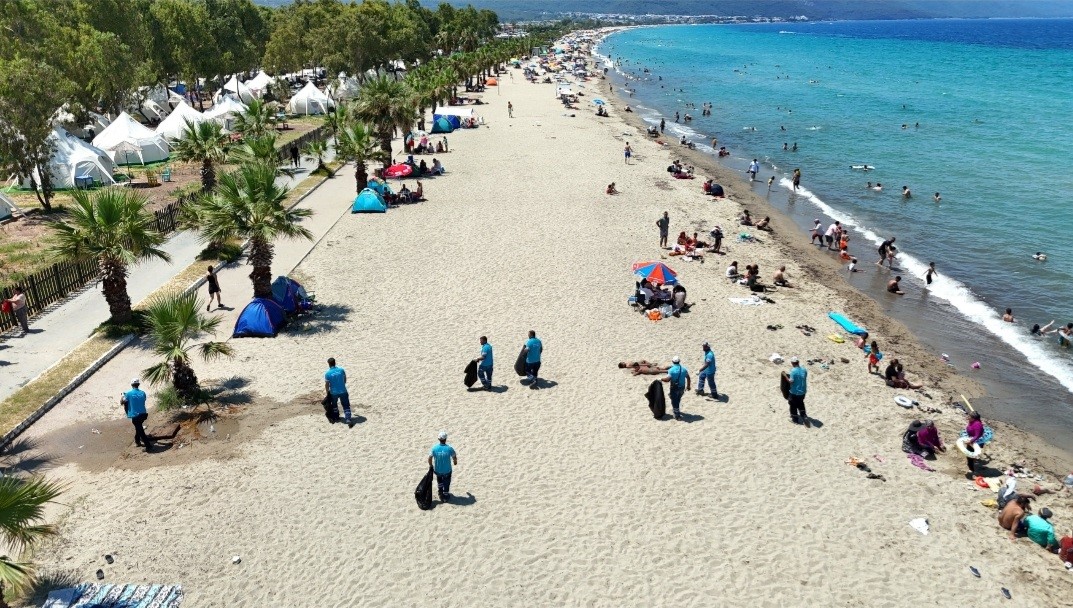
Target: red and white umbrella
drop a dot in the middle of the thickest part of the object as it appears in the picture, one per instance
(399, 170)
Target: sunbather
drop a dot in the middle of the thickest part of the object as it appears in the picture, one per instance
(643, 368)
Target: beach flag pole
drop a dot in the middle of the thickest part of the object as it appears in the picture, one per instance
(967, 403)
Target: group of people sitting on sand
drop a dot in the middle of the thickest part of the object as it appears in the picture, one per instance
(894, 375)
(747, 220)
(602, 111)
(425, 146)
(693, 247)
(651, 295)
(1015, 514)
(751, 277)
(405, 195)
(680, 171)
(711, 188)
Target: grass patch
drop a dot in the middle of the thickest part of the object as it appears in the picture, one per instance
(24, 401)
(114, 331)
(224, 252)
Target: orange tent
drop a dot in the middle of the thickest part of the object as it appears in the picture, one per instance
(491, 82)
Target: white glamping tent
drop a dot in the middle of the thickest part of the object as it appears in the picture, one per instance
(224, 111)
(309, 101)
(127, 141)
(236, 88)
(174, 125)
(259, 83)
(73, 157)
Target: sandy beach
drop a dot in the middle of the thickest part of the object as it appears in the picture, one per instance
(571, 494)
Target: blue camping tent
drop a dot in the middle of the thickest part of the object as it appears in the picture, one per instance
(288, 293)
(442, 125)
(261, 318)
(455, 121)
(368, 201)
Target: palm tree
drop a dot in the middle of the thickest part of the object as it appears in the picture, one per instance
(22, 508)
(261, 149)
(386, 104)
(204, 143)
(317, 149)
(249, 204)
(356, 144)
(337, 118)
(174, 321)
(256, 121)
(113, 226)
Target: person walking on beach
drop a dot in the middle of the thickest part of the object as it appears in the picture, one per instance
(754, 168)
(664, 224)
(214, 289)
(295, 159)
(797, 178)
(134, 405)
(335, 385)
(817, 232)
(533, 349)
(628, 152)
(884, 249)
(707, 372)
(440, 458)
(484, 367)
(18, 308)
(678, 377)
(931, 273)
(510, 110)
(798, 378)
(662, 125)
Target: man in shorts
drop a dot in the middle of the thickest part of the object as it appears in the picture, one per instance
(664, 224)
(754, 168)
(884, 249)
(214, 289)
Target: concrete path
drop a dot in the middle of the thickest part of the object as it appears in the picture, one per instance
(61, 330)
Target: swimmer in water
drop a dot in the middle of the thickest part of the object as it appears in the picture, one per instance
(1008, 317)
(906, 193)
(785, 146)
(1042, 257)
(938, 198)
(878, 187)
(793, 149)
(892, 286)
(931, 273)
(1039, 332)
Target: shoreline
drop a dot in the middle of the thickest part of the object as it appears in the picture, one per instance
(826, 269)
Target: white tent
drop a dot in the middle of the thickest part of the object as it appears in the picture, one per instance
(154, 110)
(72, 157)
(344, 88)
(259, 83)
(141, 144)
(174, 125)
(224, 111)
(459, 111)
(236, 88)
(310, 100)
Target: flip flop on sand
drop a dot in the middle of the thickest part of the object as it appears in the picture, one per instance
(1006, 592)
(974, 571)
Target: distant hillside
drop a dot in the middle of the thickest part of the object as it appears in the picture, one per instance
(520, 10)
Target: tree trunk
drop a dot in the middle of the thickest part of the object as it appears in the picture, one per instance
(185, 381)
(208, 176)
(385, 143)
(114, 286)
(361, 175)
(261, 260)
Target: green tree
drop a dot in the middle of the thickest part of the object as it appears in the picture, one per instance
(248, 204)
(356, 144)
(257, 121)
(386, 104)
(255, 150)
(115, 227)
(317, 149)
(175, 322)
(30, 92)
(183, 39)
(22, 511)
(205, 143)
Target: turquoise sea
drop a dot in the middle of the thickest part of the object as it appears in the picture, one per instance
(977, 110)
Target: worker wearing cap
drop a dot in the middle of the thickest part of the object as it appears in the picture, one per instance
(678, 376)
(798, 377)
(707, 372)
(134, 404)
(440, 459)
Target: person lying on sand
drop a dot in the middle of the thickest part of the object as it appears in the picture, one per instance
(895, 376)
(1012, 516)
(644, 368)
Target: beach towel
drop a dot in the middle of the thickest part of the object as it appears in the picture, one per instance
(846, 324)
(918, 461)
(423, 493)
(656, 399)
(471, 374)
(753, 301)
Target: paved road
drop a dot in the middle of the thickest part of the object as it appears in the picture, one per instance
(60, 331)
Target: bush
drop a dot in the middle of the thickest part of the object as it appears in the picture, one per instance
(226, 252)
(168, 399)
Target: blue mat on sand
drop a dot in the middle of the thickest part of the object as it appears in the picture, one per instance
(92, 595)
(846, 324)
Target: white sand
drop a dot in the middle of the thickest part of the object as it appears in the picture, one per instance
(576, 496)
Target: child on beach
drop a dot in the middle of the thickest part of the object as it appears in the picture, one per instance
(874, 357)
(852, 265)
(931, 273)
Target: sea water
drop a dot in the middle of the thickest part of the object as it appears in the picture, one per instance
(980, 111)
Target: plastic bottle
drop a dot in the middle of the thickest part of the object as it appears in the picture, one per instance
(1069, 481)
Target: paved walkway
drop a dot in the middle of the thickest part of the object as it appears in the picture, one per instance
(61, 330)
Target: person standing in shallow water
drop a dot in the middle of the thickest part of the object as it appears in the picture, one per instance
(931, 273)
(797, 179)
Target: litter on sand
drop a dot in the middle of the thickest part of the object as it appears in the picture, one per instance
(750, 301)
(920, 524)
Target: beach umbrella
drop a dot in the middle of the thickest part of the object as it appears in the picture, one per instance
(657, 272)
(598, 101)
(400, 170)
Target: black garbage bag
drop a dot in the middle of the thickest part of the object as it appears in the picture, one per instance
(331, 412)
(656, 399)
(423, 493)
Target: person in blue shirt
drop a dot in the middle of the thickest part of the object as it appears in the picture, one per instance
(707, 372)
(484, 370)
(134, 405)
(533, 349)
(680, 381)
(335, 385)
(440, 458)
(798, 378)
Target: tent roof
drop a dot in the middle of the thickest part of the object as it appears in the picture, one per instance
(172, 126)
(310, 92)
(259, 82)
(455, 111)
(126, 129)
(243, 91)
(227, 105)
